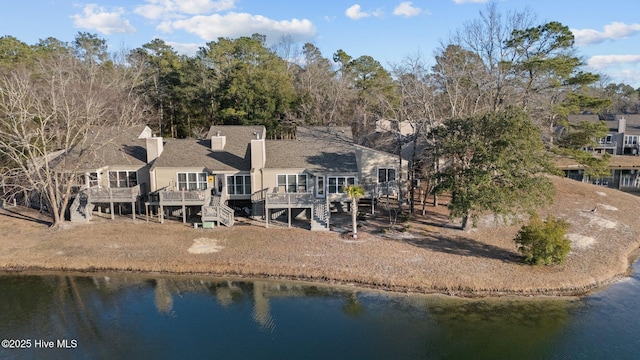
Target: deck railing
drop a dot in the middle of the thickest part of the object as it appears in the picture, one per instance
(218, 211)
(114, 194)
(259, 195)
(184, 197)
(289, 199)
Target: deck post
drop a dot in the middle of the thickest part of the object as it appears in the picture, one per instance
(112, 210)
(184, 213)
(266, 218)
(289, 216)
(161, 214)
(133, 210)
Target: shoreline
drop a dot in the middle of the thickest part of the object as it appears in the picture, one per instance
(425, 255)
(362, 286)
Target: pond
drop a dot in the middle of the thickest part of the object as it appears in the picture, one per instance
(138, 317)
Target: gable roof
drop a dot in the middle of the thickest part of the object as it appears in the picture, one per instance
(236, 154)
(316, 148)
(108, 146)
(632, 126)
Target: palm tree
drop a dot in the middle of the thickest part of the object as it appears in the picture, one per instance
(354, 192)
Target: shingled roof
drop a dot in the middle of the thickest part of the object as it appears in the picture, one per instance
(632, 122)
(108, 146)
(318, 149)
(236, 154)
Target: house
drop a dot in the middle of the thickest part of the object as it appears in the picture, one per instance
(236, 169)
(622, 136)
(113, 171)
(622, 142)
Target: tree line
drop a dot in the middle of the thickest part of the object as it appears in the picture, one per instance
(53, 92)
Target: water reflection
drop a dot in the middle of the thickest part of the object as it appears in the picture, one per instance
(168, 317)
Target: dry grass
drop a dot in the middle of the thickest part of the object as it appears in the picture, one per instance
(428, 256)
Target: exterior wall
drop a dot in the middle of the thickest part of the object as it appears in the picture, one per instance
(167, 177)
(270, 181)
(141, 171)
(369, 161)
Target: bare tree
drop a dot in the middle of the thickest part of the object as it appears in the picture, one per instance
(485, 39)
(53, 111)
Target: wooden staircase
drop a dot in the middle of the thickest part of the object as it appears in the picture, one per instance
(81, 208)
(320, 215)
(217, 211)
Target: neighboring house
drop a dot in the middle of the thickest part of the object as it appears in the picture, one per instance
(113, 170)
(235, 167)
(622, 137)
(405, 128)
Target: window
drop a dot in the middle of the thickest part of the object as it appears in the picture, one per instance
(93, 179)
(123, 179)
(191, 181)
(386, 174)
(338, 183)
(320, 186)
(239, 185)
(292, 183)
(631, 140)
(606, 140)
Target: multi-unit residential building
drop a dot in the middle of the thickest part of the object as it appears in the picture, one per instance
(622, 142)
(235, 169)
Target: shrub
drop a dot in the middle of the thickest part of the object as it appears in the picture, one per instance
(544, 242)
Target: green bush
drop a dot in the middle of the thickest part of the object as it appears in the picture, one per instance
(544, 242)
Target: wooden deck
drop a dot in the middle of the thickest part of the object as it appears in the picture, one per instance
(114, 195)
(186, 200)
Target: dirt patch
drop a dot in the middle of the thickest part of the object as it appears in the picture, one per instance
(580, 241)
(205, 246)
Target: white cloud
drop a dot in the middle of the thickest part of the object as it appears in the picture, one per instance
(613, 31)
(470, 1)
(189, 49)
(604, 61)
(97, 18)
(233, 25)
(406, 8)
(355, 12)
(620, 68)
(164, 9)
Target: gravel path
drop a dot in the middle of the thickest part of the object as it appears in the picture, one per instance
(427, 254)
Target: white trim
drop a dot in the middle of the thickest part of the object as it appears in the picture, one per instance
(386, 168)
(297, 183)
(338, 186)
(246, 179)
(321, 190)
(198, 180)
(118, 180)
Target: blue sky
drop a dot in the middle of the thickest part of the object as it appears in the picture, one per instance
(607, 32)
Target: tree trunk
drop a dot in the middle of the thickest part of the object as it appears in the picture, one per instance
(354, 217)
(465, 223)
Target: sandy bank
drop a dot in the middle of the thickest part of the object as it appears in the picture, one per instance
(427, 257)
